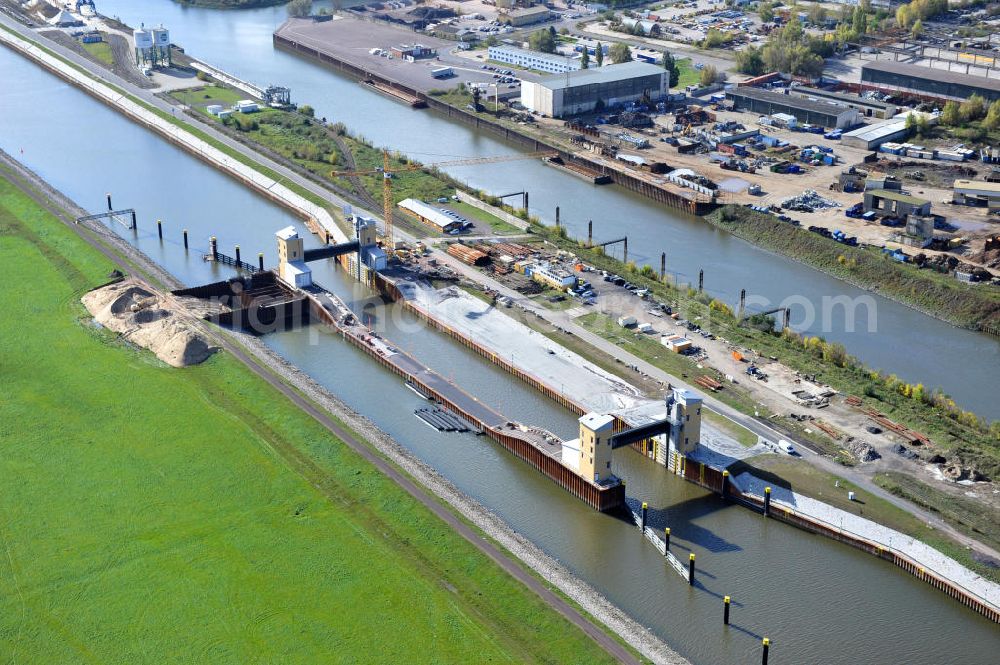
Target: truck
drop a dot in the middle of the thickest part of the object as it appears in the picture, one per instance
(442, 72)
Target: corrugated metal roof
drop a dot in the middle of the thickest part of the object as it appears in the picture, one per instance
(840, 97)
(978, 184)
(939, 75)
(893, 195)
(432, 215)
(791, 101)
(608, 74)
(877, 131)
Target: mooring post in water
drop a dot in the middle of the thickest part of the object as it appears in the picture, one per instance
(701, 280)
(725, 482)
(663, 266)
(766, 643)
(159, 228)
(109, 202)
(185, 239)
(642, 524)
(590, 233)
(743, 303)
(666, 537)
(557, 217)
(625, 257)
(788, 317)
(134, 225)
(725, 612)
(260, 261)
(213, 245)
(525, 200)
(767, 501)
(691, 568)
(237, 254)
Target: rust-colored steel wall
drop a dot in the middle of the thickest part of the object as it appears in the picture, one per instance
(806, 523)
(599, 498)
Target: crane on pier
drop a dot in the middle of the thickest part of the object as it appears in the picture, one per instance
(387, 172)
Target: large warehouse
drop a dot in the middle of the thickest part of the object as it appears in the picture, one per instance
(811, 111)
(922, 81)
(560, 95)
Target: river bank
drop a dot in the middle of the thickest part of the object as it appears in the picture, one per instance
(266, 360)
(720, 524)
(935, 294)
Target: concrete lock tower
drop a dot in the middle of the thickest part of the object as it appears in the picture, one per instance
(365, 230)
(684, 414)
(292, 268)
(595, 446)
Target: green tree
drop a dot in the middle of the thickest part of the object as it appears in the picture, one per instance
(708, 75)
(972, 109)
(670, 64)
(917, 29)
(750, 61)
(300, 8)
(992, 120)
(585, 59)
(923, 125)
(766, 12)
(904, 16)
(542, 40)
(715, 38)
(950, 115)
(305, 109)
(620, 53)
(911, 122)
(599, 52)
(817, 14)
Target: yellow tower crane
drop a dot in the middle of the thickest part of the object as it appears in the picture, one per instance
(387, 173)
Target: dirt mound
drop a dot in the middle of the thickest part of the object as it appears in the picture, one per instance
(144, 318)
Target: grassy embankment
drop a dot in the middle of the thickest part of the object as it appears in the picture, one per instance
(334, 211)
(305, 141)
(955, 433)
(940, 295)
(151, 513)
(977, 520)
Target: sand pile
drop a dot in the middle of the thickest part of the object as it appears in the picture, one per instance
(140, 316)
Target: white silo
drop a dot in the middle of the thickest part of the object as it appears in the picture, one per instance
(143, 39)
(161, 37)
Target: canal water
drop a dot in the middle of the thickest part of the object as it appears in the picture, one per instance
(817, 600)
(908, 343)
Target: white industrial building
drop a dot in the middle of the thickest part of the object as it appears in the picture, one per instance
(430, 215)
(581, 91)
(536, 60)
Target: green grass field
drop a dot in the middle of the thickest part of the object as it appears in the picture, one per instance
(101, 51)
(151, 514)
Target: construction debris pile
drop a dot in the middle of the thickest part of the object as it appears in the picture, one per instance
(862, 451)
(808, 201)
(141, 316)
